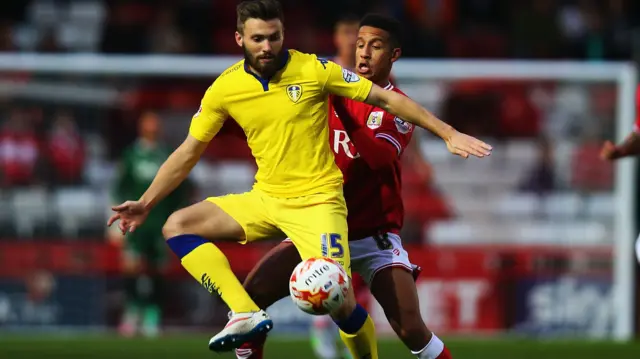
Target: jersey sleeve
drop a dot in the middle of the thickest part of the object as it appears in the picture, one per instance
(210, 116)
(342, 82)
(394, 130)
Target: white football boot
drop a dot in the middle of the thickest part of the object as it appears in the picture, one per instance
(241, 328)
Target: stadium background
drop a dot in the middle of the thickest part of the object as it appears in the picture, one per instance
(519, 244)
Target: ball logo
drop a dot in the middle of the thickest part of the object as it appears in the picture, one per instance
(317, 273)
(349, 77)
(294, 92)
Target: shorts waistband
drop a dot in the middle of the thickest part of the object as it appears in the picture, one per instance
(366, 233)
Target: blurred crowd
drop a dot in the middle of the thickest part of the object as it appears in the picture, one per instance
(55, 144)
(583, 29)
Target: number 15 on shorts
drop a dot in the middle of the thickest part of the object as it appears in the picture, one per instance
(332, 246)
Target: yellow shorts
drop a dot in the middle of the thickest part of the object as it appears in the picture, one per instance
(316, 224)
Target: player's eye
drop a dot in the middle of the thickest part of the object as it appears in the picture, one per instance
(274, 37)
(258, 38)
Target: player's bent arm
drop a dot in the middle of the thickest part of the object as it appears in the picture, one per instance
(408, 110)
(174, 171)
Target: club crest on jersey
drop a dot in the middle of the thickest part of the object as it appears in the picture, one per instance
(375, 120)
(294, 92)
(403, 126)
(349, 76)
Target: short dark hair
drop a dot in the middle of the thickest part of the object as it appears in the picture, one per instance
(258, 9)
(386, 23)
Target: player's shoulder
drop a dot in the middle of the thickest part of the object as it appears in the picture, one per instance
(307, 60)
(232, 70)
(227, 79)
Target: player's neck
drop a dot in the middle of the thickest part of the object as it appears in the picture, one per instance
(384, 83)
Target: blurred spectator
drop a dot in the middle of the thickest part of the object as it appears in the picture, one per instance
(164, 34)
(66, 150)
(19, 150)
(542, 177)
(143, 251)
(344, 39)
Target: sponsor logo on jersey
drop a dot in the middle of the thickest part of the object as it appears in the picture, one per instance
(294, 92)
(198, 112)
(403, 126)
(375, 120)
(349, 76)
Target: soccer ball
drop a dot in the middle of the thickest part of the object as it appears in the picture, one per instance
(318, 286)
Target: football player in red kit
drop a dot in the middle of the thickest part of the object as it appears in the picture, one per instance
(368, 143)
(630, 147)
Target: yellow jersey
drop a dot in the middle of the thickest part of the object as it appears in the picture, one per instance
(284, 118)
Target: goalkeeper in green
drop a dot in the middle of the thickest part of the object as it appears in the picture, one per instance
(144, 251)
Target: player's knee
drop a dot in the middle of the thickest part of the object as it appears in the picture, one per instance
(175, 225)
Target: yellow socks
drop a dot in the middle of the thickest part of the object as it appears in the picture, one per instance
(209, 266)
(359, 334)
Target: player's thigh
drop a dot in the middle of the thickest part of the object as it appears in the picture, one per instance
(268, 281)
(317, 226)
(395, 290)
(237, 217)
(372, 254)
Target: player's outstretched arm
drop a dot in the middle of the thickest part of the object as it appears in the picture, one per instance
(172, 172)
(410, 111)
(630, 147)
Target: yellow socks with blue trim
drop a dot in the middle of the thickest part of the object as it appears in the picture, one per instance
(207, 264)
(359, 334)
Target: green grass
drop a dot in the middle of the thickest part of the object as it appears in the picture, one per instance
(194, 347)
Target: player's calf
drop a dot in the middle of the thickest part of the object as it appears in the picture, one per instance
(394, 288)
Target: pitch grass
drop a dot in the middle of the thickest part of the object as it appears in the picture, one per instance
(194, 347)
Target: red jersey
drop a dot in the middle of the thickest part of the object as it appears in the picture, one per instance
(371, 168)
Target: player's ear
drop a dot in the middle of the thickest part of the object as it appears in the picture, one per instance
(238, 39)
(395, 54)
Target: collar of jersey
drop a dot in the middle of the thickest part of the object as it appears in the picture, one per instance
(265, 81)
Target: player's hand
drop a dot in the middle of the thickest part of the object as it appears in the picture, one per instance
(131, 215)
(464, 146)
(609, 151)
